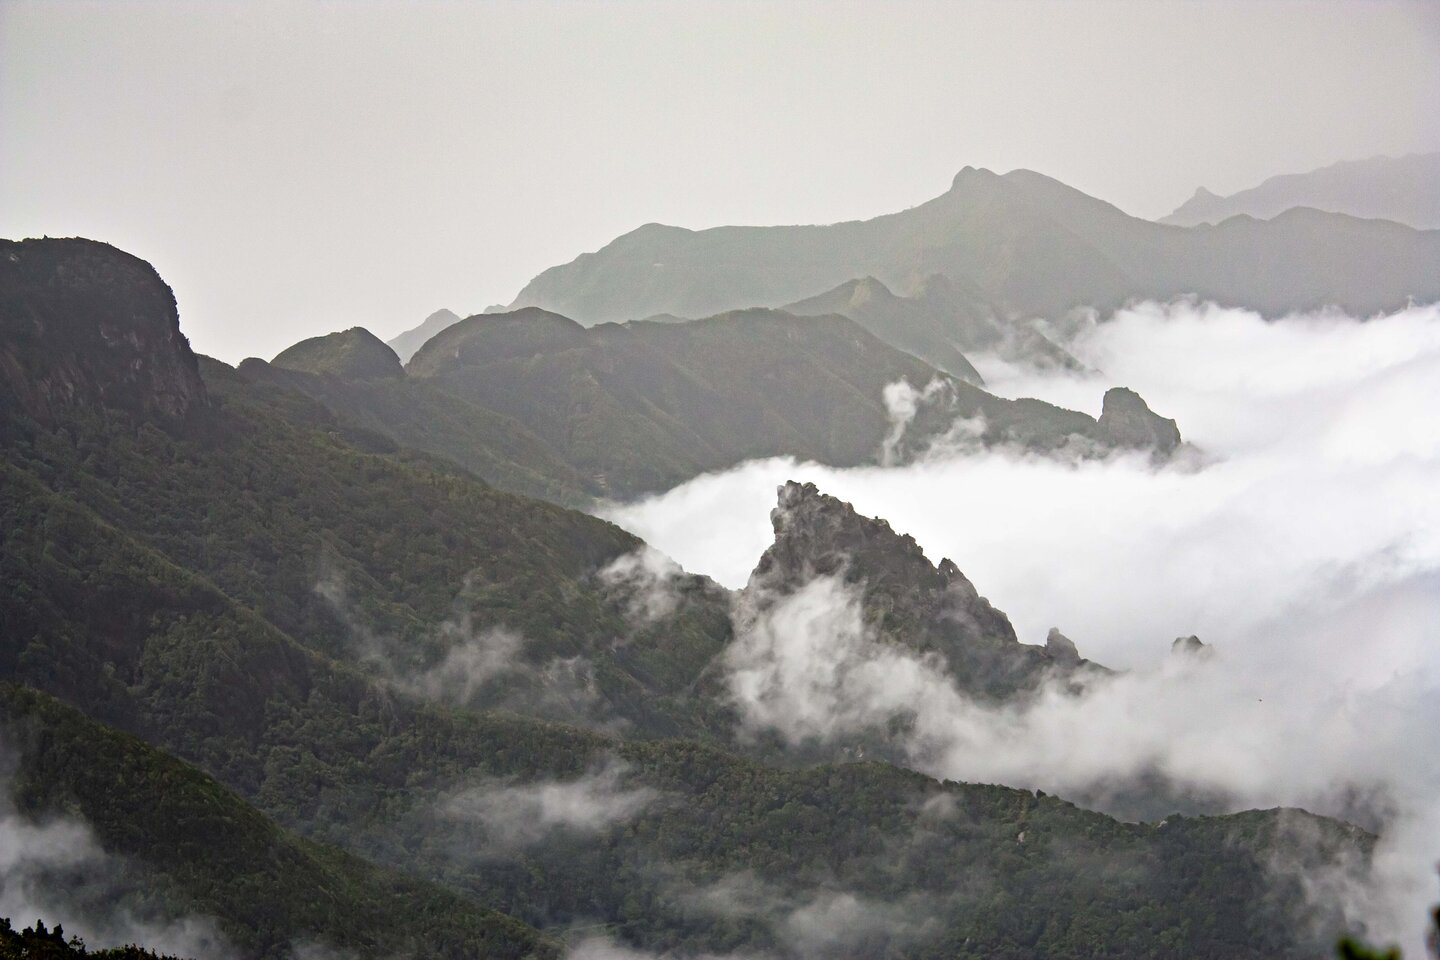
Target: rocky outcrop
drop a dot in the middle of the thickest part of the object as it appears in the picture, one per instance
(1127, 421)
(1060, 648)
(354, 354)
(930, 608)
(1191, 646)
(84, 324)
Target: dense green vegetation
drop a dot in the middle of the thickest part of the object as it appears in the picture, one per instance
(40, 943)
(179, 841)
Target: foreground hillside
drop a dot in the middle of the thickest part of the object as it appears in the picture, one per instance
(1024, 242)
(511, 704)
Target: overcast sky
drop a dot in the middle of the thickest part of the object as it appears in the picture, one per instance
(296, 168)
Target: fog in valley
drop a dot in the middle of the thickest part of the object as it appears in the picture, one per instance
(1299, 539)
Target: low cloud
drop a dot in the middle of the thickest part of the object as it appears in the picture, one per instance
(1306, 550)
(466, 664)
(55, 870)
(645, 581)
(516, 814)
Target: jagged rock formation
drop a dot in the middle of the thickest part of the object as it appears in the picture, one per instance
(84, 324)
(1060, 648)
(907, 600)
(354, 354)
(1191, 646)
(1403, 189)
(1127, 421)
(413, 339)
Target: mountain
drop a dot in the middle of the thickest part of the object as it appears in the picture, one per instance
(939, 321)
(413, 339)
(643, 406)
(1028, 244)
(928, 609)
(354, 354)
(506, 702)
(1403, 189)
(409, 411)
(82, 323)
(898, 321)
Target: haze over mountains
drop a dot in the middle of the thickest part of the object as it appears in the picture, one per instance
(355, 617)
(1029, 244)
(1403, 189)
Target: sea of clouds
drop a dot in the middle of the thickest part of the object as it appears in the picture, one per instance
(1301, 539)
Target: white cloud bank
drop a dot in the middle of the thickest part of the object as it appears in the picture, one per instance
(1306, 550)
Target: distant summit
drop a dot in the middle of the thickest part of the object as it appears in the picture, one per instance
(1023, 243)
(354, 354)
(407, 343)
(1405, 190)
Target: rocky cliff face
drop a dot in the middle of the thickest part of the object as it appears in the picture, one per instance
(82, 323)
(906, 599)
(1126, 421)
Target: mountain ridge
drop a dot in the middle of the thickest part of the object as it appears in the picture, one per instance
(1032, 245)
(1401, 189)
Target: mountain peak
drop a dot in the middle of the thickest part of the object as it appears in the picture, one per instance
(354, 354)
(82, 323)
(1127, 420)
(406, 344)
(969, 176)
(906, 600)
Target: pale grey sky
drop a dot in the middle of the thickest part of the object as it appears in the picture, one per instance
(294, 168)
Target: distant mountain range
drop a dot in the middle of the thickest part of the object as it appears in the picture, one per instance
(1403, 189)
(337, 694)
(1026, 245)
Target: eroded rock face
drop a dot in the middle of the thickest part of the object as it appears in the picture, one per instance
(82, 323)
(907, 600)
(1127, 421)
(1060, 648)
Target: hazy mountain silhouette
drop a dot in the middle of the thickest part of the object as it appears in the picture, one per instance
(413, 339)
(1026, 243)
(1403, 189)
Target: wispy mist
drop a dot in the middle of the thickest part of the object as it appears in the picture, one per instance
(1305, 547)
(54, 869)
(515, 814)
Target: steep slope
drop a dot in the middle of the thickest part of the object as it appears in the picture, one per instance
(906, 600)
(898, 321)
(82, 323)
(939, 321)
(1029, 244)
(412, 413)
(1403, 189)
(413, 339)
(171, 844)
